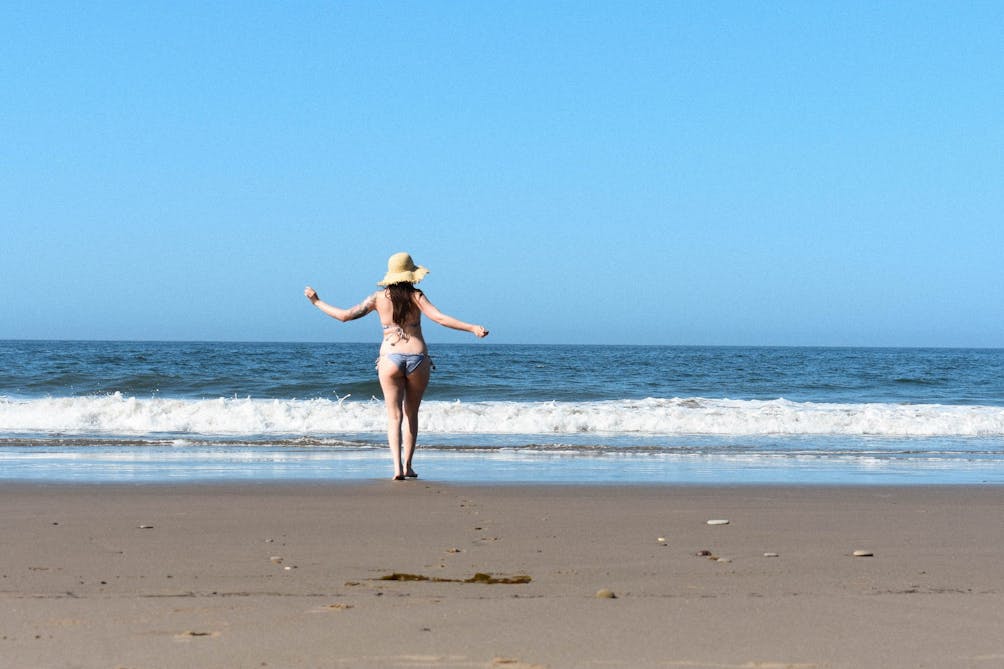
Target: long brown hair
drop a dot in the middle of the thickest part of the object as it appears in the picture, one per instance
(400, 295)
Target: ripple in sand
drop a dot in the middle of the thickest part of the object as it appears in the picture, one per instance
(479, 577)
(512, 663)
(338, 606)
(191, 634)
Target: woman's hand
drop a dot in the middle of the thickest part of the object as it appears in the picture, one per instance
(311, 294)
(480, 332)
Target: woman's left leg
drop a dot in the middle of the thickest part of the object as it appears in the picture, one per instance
(392, 381)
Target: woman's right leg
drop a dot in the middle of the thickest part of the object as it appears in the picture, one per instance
(414, 388)
(392, 381)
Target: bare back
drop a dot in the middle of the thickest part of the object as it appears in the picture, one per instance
(400, 337)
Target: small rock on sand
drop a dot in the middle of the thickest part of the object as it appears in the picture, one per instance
(718, 521)
(605, 594)
(771, 555)
(863, 554)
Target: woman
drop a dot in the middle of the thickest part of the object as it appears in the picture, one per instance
(404, 364)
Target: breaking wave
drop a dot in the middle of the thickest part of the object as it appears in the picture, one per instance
(122, 415)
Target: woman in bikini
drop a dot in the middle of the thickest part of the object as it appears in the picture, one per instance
(404, 364)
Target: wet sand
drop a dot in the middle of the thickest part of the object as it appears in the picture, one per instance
(292, 575)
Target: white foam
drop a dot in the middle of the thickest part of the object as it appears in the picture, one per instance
(116, 414)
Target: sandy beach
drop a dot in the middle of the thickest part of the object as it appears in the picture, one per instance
(297, 575)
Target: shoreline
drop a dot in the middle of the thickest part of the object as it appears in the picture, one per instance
(329, 484)
(212, 464)
(291, 574)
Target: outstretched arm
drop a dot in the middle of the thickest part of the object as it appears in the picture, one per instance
(343, 315)
(448, 321)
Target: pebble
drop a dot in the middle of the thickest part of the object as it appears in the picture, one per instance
(720, 521)
(661, 540)
(605, 594)
(723, 560)
(276, 559)
(704, 553)
(146, 527)
(771, 555)
(863, 554)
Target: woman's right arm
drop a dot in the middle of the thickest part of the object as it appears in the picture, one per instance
(448, 321)
(343, 315)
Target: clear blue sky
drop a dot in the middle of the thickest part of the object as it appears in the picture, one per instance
(808, 173)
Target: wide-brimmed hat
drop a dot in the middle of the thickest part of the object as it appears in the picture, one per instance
(402, 269)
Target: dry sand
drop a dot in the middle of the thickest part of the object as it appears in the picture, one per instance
(290, 576)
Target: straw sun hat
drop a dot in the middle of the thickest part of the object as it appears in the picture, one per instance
(401, 268)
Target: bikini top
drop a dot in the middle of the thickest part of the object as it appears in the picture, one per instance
(397, 333)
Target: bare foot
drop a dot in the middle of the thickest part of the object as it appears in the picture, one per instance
(411, 474)
(398, 477)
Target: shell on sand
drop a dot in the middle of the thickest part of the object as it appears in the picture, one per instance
(605, 594)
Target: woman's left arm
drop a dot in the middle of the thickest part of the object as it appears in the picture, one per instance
(438, 316)
(343, 315)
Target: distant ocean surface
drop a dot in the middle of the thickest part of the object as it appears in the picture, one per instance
(172, 411)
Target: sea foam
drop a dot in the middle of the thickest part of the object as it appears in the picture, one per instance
(118, 414)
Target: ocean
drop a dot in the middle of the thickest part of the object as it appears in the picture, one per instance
(163, 412)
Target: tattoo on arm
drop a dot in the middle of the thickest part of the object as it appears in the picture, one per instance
(362, 308)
